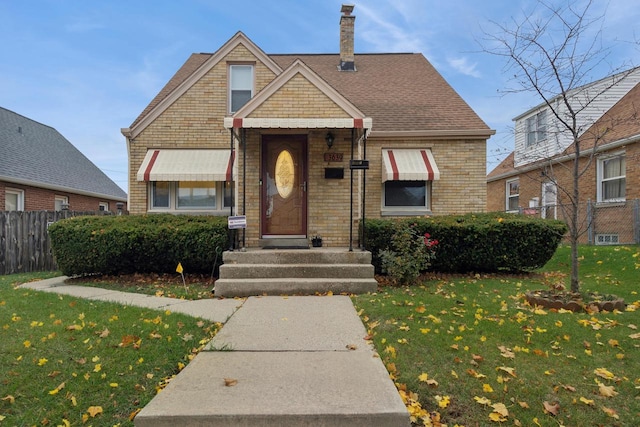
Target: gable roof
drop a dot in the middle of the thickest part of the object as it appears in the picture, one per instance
(189, 74)
(402, 92)
(299, 68)
(38, 155)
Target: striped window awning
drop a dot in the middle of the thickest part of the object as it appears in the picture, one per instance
(409, 165)
(186, 165)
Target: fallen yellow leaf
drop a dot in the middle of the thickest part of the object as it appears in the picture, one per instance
(9, 398)
(482, 400)
(610, 412)
(607, 391)
(443, 401)
(496, 417)
(510, 371)
(57, 389)
(501, 409)
(94, 410)
(586, 401)
(604, 373)
(506, 352)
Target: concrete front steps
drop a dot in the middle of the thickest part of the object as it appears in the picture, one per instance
(295, 272)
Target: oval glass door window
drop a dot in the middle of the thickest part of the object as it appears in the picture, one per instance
(285, 174)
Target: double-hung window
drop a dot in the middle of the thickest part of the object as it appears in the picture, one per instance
(240, 86)
(13, 200)
(513, 195)
(612, 179)
(536, 128)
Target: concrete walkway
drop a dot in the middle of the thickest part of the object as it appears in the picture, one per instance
(277, 361)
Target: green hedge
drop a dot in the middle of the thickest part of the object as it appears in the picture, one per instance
(138, 243)
(478, 242)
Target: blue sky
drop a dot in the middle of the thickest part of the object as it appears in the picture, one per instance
(88, 68)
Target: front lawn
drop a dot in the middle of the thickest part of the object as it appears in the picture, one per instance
(469, 350)
(68, 361)
(463, 350)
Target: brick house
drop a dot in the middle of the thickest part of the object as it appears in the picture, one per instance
(307, 144)
(533, 179)
(41, 170)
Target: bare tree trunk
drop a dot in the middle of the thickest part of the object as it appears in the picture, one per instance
(574, 229)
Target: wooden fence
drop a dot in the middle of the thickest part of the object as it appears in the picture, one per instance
(24, 241)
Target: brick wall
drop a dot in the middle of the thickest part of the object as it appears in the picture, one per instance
(531, 182)
(461, 187)
(196, 120)
(531, 186)
(193, 121)
(37, 199)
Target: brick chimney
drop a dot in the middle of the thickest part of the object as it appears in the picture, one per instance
(347, 24)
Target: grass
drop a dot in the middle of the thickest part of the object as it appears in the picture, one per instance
(463, 351)
(69, 361)
(163, 285)
(469, 351)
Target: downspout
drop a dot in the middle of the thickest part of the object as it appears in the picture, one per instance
(351, 197)
(129, 139)
(232, 158)
(244, 181)
(364, 189)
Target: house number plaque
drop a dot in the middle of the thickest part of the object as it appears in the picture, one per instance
(333, 157)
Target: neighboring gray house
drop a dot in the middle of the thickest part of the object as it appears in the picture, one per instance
(41, 170)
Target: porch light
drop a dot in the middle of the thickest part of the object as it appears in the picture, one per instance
(329, 138)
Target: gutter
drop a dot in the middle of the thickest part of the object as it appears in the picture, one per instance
(433, 134)
(523, 169)
(44, 185)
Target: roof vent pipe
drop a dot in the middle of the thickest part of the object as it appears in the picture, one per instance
(347, 25)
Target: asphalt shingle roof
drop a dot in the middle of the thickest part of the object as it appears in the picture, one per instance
(400, 91)
(33, 153)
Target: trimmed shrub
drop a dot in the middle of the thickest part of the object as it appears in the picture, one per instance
(486, 243)
(138, 243)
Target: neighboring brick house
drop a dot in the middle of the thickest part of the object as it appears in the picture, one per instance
(41, 170)
(300, 125)
(609, 205)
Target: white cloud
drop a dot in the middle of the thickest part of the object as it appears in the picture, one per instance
(463, 66)
(378, 30)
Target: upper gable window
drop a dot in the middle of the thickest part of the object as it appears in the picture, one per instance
(240, 86)
(536, 128)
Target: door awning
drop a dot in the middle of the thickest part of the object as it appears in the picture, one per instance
(409, 165)
(186, 165)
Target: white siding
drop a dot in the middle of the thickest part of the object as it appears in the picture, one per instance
(589, 110)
